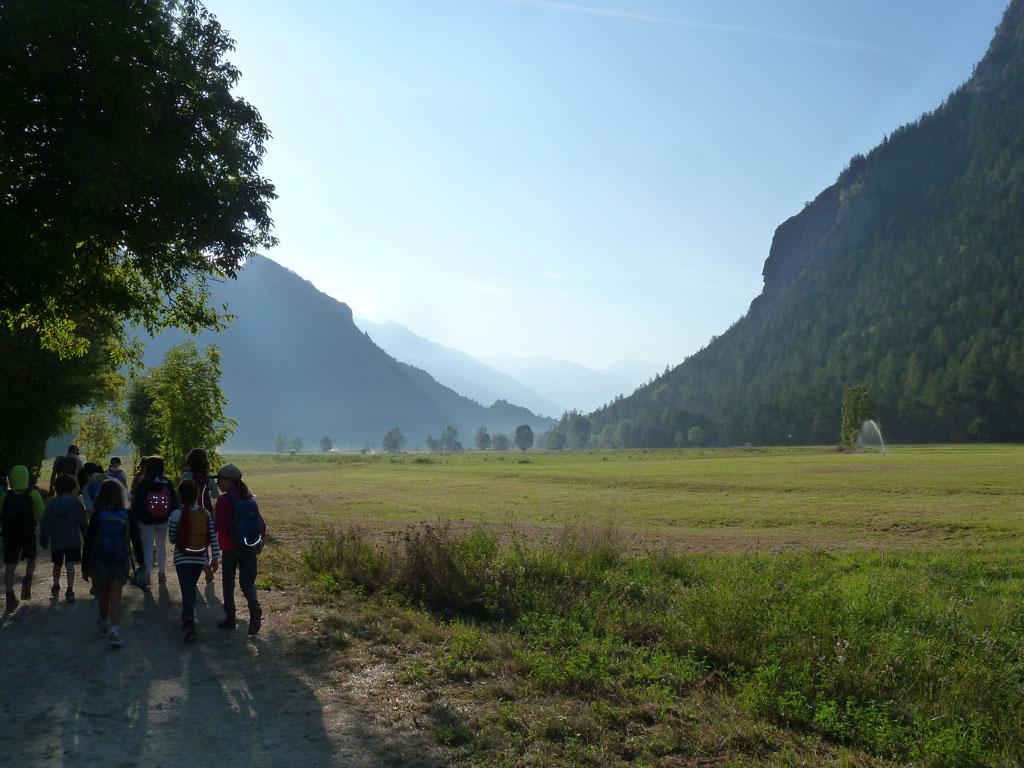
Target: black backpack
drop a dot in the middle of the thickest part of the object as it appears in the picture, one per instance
(65, 465)
(17, 520)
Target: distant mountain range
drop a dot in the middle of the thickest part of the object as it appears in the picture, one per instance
(466, 375)
(295, 363)
(572, 385)
(544, 385)
(906, 275)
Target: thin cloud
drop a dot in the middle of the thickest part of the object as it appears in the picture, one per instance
(836, 43)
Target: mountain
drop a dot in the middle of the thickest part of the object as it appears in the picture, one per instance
(455, 369)
(571, 385)
(636, 371)
(906, 275)
(294, 362)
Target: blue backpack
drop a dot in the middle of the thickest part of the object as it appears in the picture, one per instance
(111, 535)
(247, 525)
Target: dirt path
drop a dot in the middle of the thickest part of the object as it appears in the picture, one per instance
(67, 699)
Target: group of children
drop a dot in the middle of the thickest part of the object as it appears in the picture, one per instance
(95, 518)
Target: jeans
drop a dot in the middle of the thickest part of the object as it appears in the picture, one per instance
(245, 562)
(154, 534)
(188, 576)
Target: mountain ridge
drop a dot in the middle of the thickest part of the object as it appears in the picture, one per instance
(905, 274)
(295, 362)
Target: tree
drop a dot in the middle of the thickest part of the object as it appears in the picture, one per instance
(281, 443)
(41, 393)
(524, 437)
(449, 439)
(432, 443)
(296, 445)
(554, 439)
(394, 441)
(483, 439)
(858, 407)
(696, 436)
(135, 415)
(326, 444)
(500, 442)
(188, 404)
(96, 436)
(578, 431)
(129, 169)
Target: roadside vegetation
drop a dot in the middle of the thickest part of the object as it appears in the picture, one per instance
(594, 642)
(575, 654)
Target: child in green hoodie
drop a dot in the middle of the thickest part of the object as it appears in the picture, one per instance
(22, 508)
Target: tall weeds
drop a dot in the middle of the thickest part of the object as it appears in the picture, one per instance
(915, 657)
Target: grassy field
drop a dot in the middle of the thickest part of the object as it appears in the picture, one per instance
(716, 500)
(673, 608)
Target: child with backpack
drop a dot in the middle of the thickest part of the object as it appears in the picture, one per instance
(115, 472)
(241, 531)
(197, 467)
(112, 536)
(152, 503)
(21, 511)
(63, 526)
(196, 549)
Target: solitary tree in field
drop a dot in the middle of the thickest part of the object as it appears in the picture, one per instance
(858, 407)
(297, 445)
(432, 443)
(326, 444)
(524, 437)
(500, 442)
(394, 441)
(280, 442)
(483, 439)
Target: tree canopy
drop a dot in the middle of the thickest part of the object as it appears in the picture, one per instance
(129, 172)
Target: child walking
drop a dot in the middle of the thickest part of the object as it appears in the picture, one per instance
(196, 549)
(112, 530)
(22, 508)
(64, 524)
(152, 502)
(241, 531)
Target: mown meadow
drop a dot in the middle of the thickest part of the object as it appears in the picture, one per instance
(664, 608)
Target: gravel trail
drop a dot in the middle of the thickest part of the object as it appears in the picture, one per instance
(67, 699)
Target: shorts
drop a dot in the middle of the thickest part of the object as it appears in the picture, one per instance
(109, 573)
(61, 556)
(15, 552)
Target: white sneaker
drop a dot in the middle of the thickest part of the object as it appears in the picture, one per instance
(115, 639)
(103, 627)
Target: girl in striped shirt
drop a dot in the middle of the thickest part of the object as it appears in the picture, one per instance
(190, 529)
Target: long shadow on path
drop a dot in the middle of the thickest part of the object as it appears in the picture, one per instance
(66, 699)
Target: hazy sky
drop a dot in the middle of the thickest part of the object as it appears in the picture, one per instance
(588, 179)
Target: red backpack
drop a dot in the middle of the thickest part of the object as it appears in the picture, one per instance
(158, 502)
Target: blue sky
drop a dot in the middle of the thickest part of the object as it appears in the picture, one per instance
(590, 180)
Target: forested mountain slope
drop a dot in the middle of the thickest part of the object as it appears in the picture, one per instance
(295, 363)
(907, 275)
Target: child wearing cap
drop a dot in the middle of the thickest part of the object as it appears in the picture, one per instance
(240, 532)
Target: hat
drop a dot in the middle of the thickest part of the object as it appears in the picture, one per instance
(230, 472)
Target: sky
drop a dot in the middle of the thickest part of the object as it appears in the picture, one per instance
(589, 179)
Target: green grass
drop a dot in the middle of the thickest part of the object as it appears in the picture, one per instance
(779, 607)
(760, 499)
